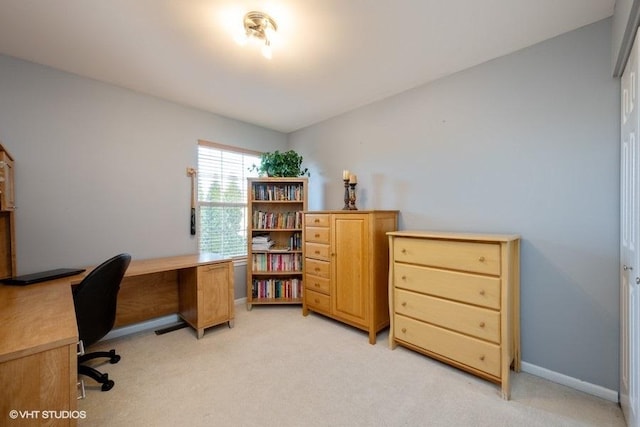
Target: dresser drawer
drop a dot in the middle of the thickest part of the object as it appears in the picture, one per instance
(315, 283)
(478, 322)
(458, 255)
(316, 234)
(469, 351)
(470, 288)
(317, 251)
(316, 268)
(317, 301)
(316, 220)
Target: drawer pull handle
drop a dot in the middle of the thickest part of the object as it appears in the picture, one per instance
(317, 235)
(317, 220)
(404, 278)
(482, 292)
(317, 252)
(317, 301)
(482, 324)
(404, 330)
(481, 259)
(404, 303)
(317, 285)
(404, 251)
(482, 357)
(316, 269)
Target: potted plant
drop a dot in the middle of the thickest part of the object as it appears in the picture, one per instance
(285, 164)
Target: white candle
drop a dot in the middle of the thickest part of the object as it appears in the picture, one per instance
(353, 179)
(345, 174)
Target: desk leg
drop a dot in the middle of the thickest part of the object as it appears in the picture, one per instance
(200, 332)
(230, 323)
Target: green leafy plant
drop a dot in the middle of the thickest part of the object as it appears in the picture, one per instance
(285, 164)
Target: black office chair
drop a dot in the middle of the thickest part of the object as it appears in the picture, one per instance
(95, 302)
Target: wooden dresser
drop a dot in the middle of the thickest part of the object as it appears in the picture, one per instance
(346, 261)
(455, 297)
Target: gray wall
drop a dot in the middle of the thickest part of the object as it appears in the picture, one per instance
(101, 170)
(528, 144)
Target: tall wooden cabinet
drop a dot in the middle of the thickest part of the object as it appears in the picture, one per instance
(274, 252)
(346, 262)
(7, 221)
(455, 297)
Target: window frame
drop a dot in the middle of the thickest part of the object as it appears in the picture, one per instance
(238, 259)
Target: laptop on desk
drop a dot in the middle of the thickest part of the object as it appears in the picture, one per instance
(41, 276)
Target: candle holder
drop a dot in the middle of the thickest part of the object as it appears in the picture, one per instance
(347, 198)
(352, 197)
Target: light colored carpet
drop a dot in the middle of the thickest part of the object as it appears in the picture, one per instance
(279, 368)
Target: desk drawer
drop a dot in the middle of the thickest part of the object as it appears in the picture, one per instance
(464, 287)
(316, 268)
(458, 255)
(469, 351)
(317, 251)
(478, 322)
(316, 220)
(316, 234)
(316, 283)
(317, 301)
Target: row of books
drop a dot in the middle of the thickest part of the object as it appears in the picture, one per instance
(282, 192)
(277, 288)
(275, 220)
(277, 262)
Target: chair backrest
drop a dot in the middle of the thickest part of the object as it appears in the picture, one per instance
(96, 296)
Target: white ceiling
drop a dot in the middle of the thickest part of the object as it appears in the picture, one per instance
(331, 56)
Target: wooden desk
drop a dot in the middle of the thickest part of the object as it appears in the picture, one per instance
(38, 331)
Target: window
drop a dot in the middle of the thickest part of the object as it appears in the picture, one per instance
(222, 198)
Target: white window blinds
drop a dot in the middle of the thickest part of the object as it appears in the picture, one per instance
(222, 198)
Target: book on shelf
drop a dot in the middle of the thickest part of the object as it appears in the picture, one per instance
(282, 262)
(262, 243)
(277, 220)
(277, 288)
(277, 192)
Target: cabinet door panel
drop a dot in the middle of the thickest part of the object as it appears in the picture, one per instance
(350, 235)
(213, 281)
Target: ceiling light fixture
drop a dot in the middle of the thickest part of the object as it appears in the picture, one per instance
(260, 27)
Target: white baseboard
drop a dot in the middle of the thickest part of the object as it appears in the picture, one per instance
(575, 383)
(157, 323)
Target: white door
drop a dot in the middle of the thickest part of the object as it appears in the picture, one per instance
(629, 237)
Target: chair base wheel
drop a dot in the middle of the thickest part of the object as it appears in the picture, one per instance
(108, 385)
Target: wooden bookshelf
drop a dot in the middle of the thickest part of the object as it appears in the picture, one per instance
(274, 241)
